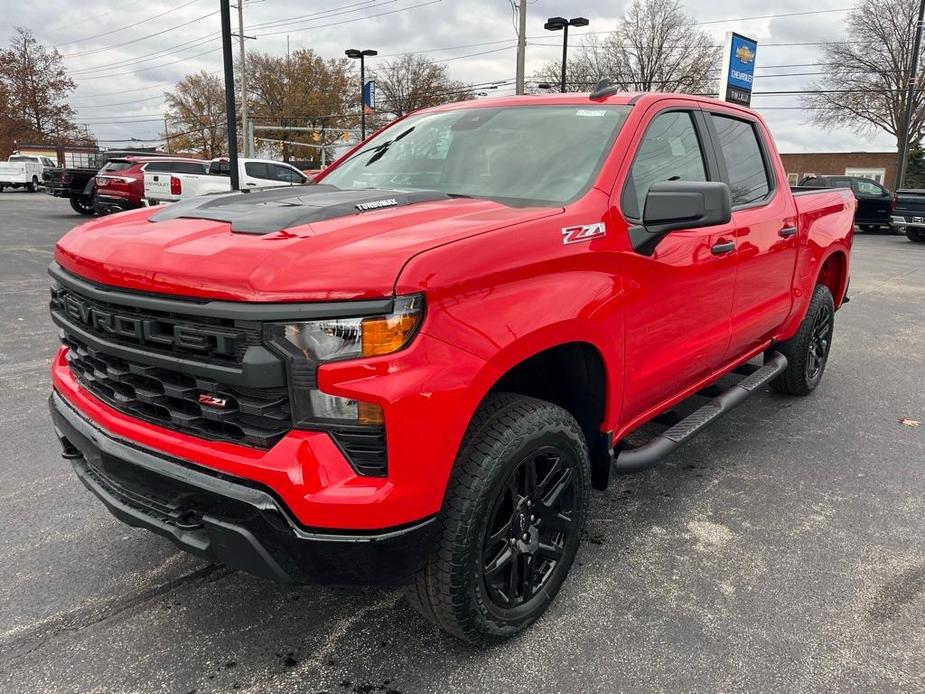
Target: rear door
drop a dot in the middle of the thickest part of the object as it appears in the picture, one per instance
(765, 229)
(678, 306)
(874, 202)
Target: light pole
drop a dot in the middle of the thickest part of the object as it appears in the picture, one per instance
(561, 23)
(354, 53)
(229, 94)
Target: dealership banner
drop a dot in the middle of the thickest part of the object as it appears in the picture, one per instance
(738, 70)
(369, 96)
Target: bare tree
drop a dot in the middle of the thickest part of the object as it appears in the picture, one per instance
(410, 82)
(34, 88)
(867, 75)
(655, 47)
(196, 115)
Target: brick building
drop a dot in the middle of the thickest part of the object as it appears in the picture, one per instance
(879, 166)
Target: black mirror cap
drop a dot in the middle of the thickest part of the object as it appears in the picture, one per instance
(672, 205)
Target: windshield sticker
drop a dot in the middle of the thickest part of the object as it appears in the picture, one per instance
(591, 113)
(583, 232)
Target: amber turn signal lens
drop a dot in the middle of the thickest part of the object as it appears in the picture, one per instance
(368, 413)
(387, 334)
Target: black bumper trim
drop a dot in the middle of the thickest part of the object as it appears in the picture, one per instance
(227, 521)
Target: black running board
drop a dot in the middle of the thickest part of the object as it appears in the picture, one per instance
(647, 455)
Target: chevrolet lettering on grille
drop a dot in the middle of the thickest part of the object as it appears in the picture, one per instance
(144, 330)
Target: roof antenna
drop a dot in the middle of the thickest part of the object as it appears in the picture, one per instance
(603, 90)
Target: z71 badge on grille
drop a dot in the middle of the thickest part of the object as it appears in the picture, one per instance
(212, 400)
(583, 232)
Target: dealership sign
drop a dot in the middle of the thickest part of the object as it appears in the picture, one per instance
(369, 96)
(738, 69)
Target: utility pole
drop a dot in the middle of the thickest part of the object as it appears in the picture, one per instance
(521, 45)
(166, 135)
(247, 144)
(910, 98)
(229, 94)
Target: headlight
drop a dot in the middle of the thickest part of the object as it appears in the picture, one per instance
(308, 344)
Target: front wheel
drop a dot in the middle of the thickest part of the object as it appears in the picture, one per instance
(807, 352)
(82, 204)
(511, 521)
(915, 234)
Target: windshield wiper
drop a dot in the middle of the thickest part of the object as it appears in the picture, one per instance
(384, 147)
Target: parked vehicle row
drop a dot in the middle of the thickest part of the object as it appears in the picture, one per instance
(125, 182)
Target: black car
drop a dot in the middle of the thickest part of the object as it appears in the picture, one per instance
(909, 214)
(875, 202)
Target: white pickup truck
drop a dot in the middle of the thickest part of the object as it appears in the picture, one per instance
(23, 171)
(252, 173)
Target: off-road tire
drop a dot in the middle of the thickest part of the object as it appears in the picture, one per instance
(451, 589)
(916, 235)
(82, 204)
(803, 371)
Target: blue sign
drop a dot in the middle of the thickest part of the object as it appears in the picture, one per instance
(369, 96)
(740, 73)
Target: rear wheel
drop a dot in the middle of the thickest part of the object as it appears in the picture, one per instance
(82, 204)
(33, 185)
(511, 522)
(807, 352)
(867, 227)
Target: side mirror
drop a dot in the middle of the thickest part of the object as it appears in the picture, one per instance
(673, 205)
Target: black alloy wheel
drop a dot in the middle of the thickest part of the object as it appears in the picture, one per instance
(819, 343)
(530, 524)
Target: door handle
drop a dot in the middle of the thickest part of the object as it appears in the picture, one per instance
(723, 247)
(787, 232)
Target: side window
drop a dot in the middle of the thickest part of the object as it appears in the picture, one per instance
(669, 151)
(157, 167)
(219, 168)
(188, 167)
(869, 188)
(257, 169)
(738, 141)
(284, 173)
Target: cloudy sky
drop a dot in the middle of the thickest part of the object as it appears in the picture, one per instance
(123, 54)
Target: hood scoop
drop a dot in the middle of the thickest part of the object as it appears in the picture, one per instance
(275, 209)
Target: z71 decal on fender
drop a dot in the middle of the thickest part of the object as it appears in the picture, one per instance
(583, 232)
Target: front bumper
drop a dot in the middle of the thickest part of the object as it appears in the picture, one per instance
(907, 221)
(228, 520)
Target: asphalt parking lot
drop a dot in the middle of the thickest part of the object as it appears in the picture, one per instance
(782, 550)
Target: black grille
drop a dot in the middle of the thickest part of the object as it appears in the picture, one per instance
(214, 340)
(255, 417)
(365, 449)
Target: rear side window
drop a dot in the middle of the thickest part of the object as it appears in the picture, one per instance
(870, 188)
(670, 151)
(220, 168)
(738, 142)
(257, 169)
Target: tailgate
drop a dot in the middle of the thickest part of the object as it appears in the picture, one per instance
(910, 202)
(157, 186)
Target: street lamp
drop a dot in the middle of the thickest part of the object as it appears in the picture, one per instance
(561, 23)
(354, 53)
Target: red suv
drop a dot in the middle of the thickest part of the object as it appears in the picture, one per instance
(120, 184)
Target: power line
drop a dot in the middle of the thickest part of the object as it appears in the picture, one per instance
(127, 26)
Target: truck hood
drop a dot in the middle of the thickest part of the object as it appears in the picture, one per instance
(306, 243)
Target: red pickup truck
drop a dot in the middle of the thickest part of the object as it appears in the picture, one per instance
(414, 371)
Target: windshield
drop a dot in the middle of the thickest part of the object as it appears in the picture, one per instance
(526, 154)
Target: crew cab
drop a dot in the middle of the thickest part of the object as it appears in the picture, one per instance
(22, 171)
(160, 187)
(875, 201)
(909, 214)
(414, 371)
(120, 183)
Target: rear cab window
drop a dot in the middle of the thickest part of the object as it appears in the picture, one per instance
(117, 165)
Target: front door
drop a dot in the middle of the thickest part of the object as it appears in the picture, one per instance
(678, 299)
(874, 202)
